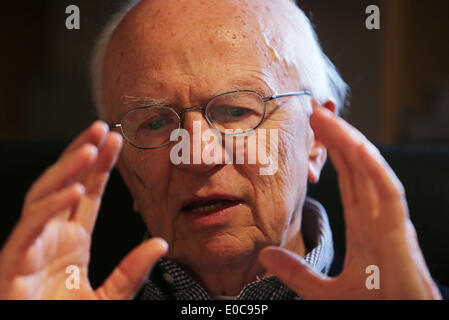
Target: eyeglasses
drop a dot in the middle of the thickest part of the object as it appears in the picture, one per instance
(235, 112)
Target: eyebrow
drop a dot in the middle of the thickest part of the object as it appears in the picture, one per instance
(259, 86)
(135, 101)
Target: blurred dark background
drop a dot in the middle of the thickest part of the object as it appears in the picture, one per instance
(399, 74)
(399, 77)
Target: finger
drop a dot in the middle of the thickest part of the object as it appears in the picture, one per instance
(337, 134)
(356, 187)
(354, 192)
(95, 181)
(60, 173)
(371, 171)
(40, 212)
(94, 135)
(345, 178)
(128, 277)
(332, 132)
(294, 272)
(393, 208)
(387, 183)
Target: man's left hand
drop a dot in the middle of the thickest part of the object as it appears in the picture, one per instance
(378, 228)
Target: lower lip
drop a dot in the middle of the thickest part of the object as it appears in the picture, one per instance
(212, 218)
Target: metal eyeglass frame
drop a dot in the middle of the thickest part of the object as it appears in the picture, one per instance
(180, 114)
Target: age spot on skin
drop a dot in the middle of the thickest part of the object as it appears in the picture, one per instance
(239, 19)
(230, 37)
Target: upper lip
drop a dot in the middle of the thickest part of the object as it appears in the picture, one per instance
(217, 196)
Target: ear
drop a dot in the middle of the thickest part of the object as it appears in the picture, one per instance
(124, 173)
(317, 150)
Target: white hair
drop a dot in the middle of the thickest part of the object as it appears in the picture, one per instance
(334, 85)
(99, 53)
(322, 77)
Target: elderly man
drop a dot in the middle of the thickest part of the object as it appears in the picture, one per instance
(217, 229)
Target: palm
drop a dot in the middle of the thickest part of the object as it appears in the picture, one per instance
(387, 253)
(41, 271)
(51, 241)
(378, 229)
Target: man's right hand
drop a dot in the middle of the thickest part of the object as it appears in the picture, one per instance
(55, 228)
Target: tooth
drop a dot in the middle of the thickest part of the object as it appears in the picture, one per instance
(207, 208)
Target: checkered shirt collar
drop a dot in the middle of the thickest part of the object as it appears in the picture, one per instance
(169, 281)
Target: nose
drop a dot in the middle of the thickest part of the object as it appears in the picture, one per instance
(205, 148)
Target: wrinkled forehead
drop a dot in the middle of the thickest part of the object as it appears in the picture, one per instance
(166, 23)
(183, 21)
(162, 40)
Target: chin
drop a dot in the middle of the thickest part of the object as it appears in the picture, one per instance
(224, 249)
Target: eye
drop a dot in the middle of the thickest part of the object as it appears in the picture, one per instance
(156, 124)
(236, 112)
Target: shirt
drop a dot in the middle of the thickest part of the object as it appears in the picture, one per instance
(169, 281)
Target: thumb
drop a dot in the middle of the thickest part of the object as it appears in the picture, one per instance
(128, 277)
(294, 272)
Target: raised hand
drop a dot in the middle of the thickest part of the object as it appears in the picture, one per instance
(378, 229)
(56, 225)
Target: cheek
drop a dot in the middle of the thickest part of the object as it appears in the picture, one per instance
(149, 175)
(277, 195)
(291, 178)
(293, 155)
(291, 149)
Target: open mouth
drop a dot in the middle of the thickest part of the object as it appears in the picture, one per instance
(209, 206)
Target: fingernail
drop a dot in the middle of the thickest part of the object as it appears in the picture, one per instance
(104, 126)
(119, 137)
(163, 243)
(92, 149)
(79, 187)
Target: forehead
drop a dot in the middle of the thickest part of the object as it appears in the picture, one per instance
(162, 47)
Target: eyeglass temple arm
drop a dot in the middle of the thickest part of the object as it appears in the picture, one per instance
(289, 94)
(113, 125)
